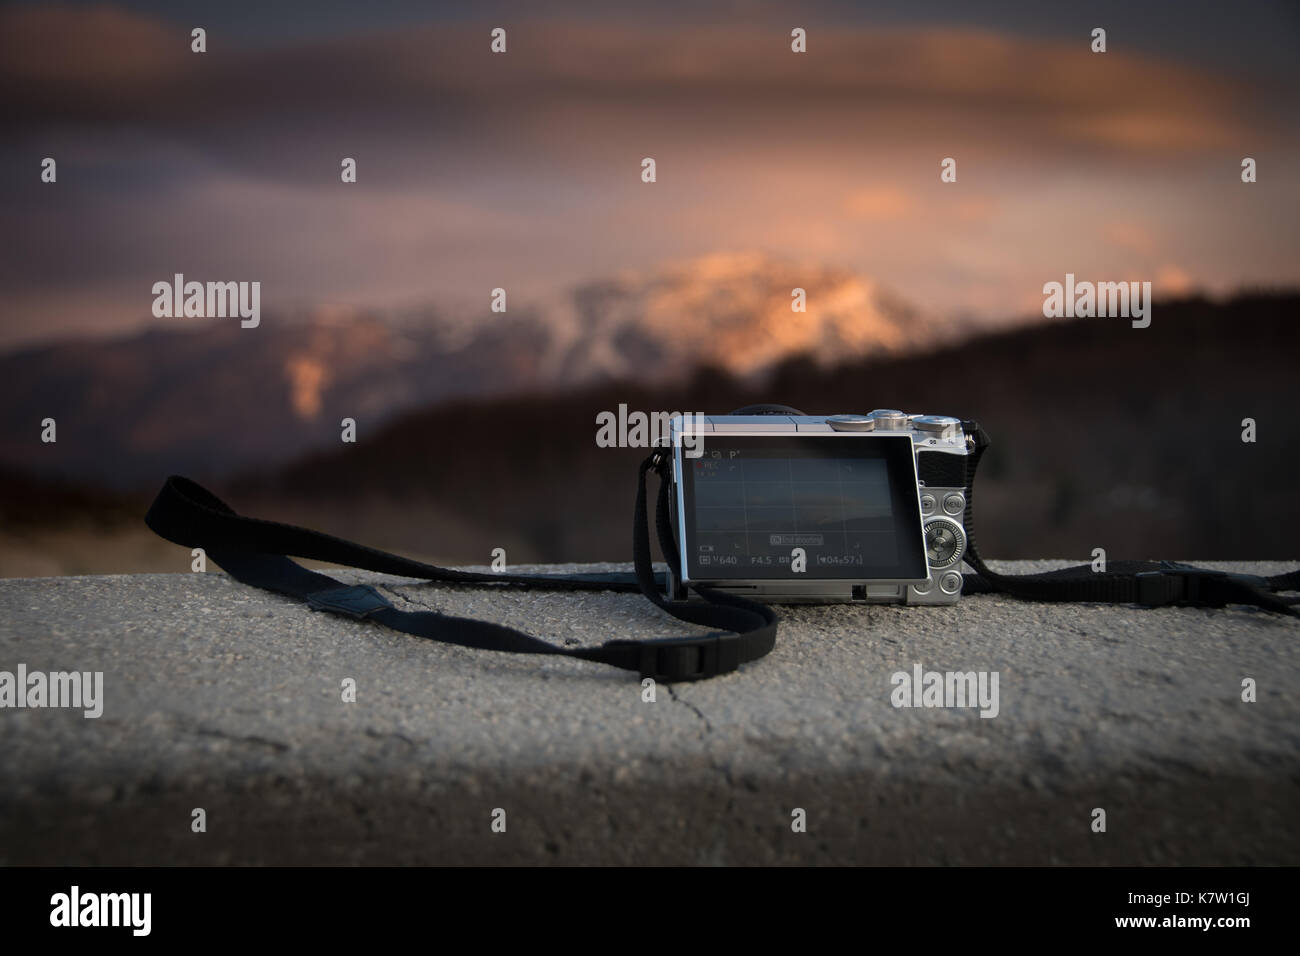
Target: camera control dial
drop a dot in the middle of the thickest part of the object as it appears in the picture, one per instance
(890, 419)
(945, 542)
(940, 426)
(852, 423)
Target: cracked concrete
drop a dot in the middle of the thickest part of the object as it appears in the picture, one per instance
(708, 727)
(227, 698)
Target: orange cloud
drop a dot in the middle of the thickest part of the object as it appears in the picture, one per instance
(1130, 235)
(879, 204)
(1172, 280)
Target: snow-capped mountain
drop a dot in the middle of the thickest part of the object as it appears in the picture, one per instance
(220, 398)
(726, 311)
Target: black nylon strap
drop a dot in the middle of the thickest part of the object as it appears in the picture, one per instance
(255, 552)
(186, 513)
(1148, 583)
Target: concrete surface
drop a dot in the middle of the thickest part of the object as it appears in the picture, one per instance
(227, 698)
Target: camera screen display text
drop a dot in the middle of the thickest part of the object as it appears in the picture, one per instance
(762, 507)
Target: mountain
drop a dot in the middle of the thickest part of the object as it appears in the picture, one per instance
(1104, 436)
(222, 398)
(730, 312)
(217, 398)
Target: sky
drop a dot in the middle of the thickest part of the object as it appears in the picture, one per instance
(522, 170)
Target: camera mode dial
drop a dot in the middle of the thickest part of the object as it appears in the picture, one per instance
(890, 419)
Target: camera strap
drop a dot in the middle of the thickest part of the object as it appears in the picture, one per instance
(1146, 583)
(256, 552)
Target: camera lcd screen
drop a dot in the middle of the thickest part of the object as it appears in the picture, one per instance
(759, 507)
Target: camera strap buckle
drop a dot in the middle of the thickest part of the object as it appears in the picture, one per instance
(1180, 584)
(689, 658)
(1183, 584)
(1202, 587)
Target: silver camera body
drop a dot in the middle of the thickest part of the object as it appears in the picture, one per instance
(819, 509)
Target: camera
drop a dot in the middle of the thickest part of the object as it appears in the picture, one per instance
(849, 508)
